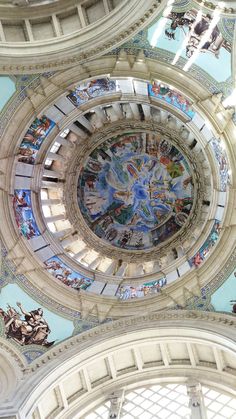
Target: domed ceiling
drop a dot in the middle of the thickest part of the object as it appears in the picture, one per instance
(135, 190)
(117, 176)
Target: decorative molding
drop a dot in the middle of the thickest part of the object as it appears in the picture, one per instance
(17, 63)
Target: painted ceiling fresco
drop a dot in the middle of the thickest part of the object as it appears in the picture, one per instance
(135, 190)
(26, 323)
(192, 38)
(31, 320)
(196, 36)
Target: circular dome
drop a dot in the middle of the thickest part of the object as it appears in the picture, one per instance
(145, 162)
(135, 190)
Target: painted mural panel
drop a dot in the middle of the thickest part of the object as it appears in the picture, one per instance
(135, 190)
(207, 246)
(171, 96)
(221, 158)
(33, 139)
(66, 275)
(126, 292)
(194, 35)
(24, 214)
(91, 89)
(26, 323)
(224, 298)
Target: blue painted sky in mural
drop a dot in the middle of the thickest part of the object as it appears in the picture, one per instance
(219, 68)
(7, 88)
(60, 327)
(227, 292)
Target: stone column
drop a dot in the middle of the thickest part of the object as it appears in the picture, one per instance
(122, 269)
(55, 156)
(81, 253)
(52, 201)
(116, 401)
(55, 218)
(64, 141)
(110, 270)
(196, 401)
(135, 110)
(94, 264)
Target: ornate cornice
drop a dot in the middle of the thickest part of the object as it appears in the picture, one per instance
(202, 320)
(79, 47)
(12, 352)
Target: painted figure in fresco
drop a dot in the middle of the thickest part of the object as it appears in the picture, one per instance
(32, 329)
(197, 260)
(111, 234)
(126, 236)
(195, 31)
(20, 200)
(130, 292)
(209, 243)
(60, 271)
(24, 215)
(171, 96)
(220, 155)
(26, 155)
(142, 186)
(214, 42)
(91, 89)
(33, 139)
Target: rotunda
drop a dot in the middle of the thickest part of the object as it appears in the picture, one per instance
(117, 231)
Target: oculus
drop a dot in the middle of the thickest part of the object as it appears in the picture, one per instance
(135, 190)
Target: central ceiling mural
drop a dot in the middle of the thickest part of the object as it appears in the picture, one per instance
(135, 190)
